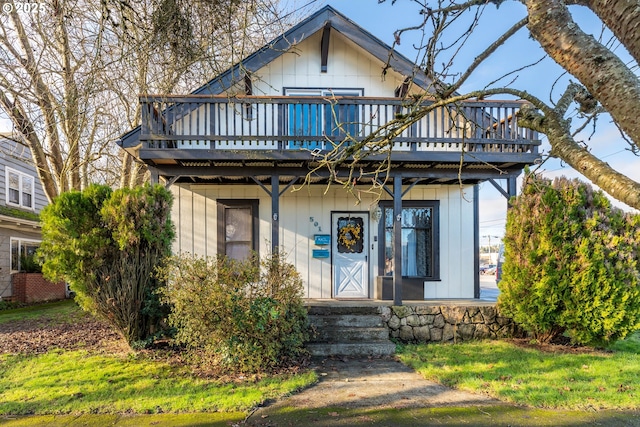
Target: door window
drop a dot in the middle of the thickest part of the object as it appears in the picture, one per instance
(237, 228)
(350, 235)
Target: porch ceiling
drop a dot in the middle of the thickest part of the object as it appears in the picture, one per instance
(247, 171)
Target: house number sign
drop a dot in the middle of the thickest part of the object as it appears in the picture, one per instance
(315, 224)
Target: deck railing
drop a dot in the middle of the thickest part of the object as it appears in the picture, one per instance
(317, 123)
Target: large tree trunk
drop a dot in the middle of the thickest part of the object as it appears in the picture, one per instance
(603, 73)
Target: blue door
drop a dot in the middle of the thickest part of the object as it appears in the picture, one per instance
(341, 121)
(323, 121)
(304, 120)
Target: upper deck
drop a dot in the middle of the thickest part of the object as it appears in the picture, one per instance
(272, 131)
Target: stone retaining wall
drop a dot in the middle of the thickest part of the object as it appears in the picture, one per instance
(423, 323)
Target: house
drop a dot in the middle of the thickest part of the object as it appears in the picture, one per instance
(21, 199)
(241, 153)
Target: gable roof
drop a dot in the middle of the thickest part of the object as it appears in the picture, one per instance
(307, 27)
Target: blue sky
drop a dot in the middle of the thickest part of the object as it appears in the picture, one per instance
(383, 19)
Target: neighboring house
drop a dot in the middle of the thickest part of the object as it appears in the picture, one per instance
(21, 199)
(234, 150)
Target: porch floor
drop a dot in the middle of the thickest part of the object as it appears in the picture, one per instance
(327, 302)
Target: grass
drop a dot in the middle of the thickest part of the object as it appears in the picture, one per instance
(85, 382)
(66, 311)
(527, 376)
(62, 382)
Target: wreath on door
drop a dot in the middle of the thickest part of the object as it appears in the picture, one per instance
(349, 234)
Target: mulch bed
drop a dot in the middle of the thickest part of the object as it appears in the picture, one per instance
(38, 337)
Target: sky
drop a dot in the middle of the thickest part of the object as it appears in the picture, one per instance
(383, 19)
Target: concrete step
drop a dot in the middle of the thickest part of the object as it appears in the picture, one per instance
(352, 349)
(349, 335)
(326, 310)
(346, 320)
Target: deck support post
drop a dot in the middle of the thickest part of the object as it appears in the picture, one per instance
(512, 188)
(155, 175)
(397, 240)
(275, 213)
(476, 241)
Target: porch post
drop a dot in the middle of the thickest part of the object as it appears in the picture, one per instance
(397, 240)
(476, 241)
(512, 188)
(275, 213)
(155, 175)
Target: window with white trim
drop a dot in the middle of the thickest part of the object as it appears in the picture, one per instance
(19, 189)
(21, 248)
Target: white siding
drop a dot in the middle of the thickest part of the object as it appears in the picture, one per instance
(307, 212)
(348, 66)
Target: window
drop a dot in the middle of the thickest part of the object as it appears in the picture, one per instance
(20, 189)
(21, 248)
(420, 239)
(237, 228)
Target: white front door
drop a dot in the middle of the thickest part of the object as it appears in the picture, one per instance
(350, 248)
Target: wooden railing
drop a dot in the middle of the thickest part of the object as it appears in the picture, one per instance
(317, 123)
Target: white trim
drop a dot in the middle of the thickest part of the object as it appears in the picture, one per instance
(294, 91)
(21, 192)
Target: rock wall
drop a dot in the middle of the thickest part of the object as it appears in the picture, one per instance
(423, 323)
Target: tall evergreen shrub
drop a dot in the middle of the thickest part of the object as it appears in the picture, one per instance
(571, 263)
(107, 244)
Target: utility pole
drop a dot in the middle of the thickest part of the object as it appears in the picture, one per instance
(490, 248)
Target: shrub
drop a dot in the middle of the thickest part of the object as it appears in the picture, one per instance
(571, 263)
(244, 316)
(107, 244)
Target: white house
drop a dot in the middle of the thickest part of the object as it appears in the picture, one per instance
(234, 151)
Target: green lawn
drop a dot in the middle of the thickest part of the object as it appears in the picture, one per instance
(592, 380)
(54, 312)
(82, 381)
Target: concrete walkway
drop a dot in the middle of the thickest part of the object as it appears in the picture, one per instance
(375, 383)
(384, 392)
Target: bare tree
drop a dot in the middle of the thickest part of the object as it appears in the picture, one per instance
(71, 72)
(602, 82)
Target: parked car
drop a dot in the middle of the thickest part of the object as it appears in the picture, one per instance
(487, 269)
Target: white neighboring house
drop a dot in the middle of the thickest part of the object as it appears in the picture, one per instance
(21, 199)
(233, 150)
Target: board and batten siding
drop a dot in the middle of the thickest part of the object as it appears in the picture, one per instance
(348, 66)
(307, 212)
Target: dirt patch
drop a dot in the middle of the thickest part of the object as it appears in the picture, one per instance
(38, 336)
(564, 348)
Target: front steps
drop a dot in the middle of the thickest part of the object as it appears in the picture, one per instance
(348, 331)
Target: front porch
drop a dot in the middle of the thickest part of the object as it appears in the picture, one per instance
(365, 328)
